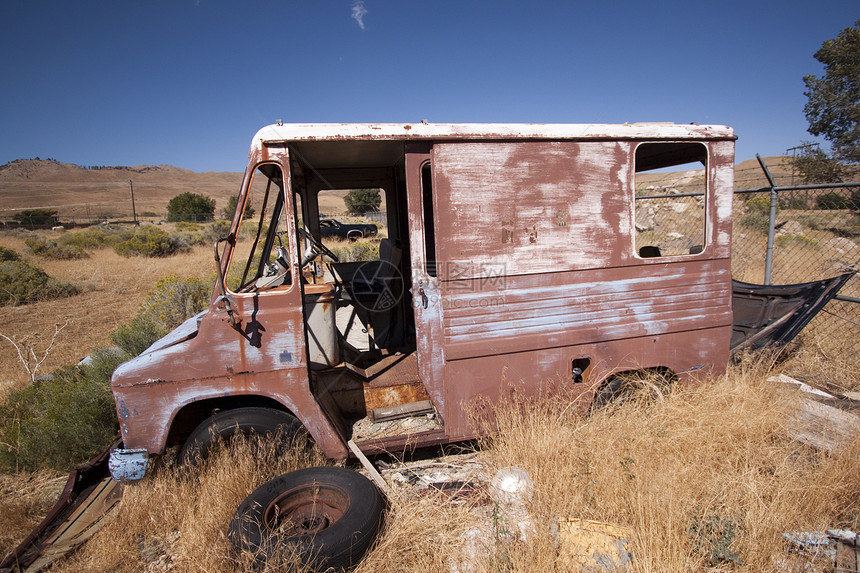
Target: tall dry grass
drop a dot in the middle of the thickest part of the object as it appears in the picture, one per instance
(26, 499)
(177, 518)
(719, 453)
(707, 479)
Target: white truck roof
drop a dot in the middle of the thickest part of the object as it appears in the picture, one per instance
(453, 131)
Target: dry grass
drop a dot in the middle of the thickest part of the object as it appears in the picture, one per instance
(177, 520)
(718, 452)
(27, 498)
(112, 290)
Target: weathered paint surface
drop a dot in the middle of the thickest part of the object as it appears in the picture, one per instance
(536, 274)
(265, 356)
(485, 131)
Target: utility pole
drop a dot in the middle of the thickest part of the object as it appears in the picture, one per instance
(133, 212)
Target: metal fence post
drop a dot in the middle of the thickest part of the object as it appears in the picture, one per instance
(771, 225)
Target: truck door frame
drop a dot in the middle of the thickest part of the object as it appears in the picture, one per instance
(284, 376)
(426, 302)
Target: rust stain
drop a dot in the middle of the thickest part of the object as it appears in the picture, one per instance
(518, 253)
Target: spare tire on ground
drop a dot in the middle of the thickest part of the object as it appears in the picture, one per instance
(325, 516)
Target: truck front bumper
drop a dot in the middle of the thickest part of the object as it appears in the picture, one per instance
(128, 465)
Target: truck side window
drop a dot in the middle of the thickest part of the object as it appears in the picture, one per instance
(671, 199)
(260, 259)
(429, 225)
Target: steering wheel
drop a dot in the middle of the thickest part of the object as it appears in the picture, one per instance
(315, 249)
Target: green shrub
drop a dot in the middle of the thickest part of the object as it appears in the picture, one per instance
(795, 203)
(169, 304)
(42, 247)
(187, 234)
(191, 207)
(146, 242)
(61, 421)
(833, 201)
(798, 240)
(814, 222)
(230, 210)
(92, 238)
(360, 201)
(138, 335)
(174, 299)
(757, 215)
(8, 255)
(356, 252)
(215, 231)
(40, 217)
(22, 283)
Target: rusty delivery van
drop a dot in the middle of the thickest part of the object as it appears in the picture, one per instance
(510, 259)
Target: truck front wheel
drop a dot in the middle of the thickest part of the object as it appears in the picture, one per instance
(274, 424)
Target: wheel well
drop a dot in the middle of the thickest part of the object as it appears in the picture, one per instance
(662, 376)
(191, 415)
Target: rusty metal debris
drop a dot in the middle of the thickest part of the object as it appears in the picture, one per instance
(836, 549)
(822, 421)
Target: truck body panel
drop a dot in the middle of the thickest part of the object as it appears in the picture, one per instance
(513, 259)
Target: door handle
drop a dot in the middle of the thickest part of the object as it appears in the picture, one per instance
(424, 299)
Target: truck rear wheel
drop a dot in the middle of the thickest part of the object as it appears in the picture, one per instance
(647, 385)
(325, 516)
(274, 424)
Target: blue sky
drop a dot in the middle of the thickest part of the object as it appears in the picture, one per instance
(188, 82)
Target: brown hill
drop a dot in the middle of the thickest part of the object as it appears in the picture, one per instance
(82, 194)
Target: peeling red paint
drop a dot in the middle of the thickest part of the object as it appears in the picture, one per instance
(515, 252)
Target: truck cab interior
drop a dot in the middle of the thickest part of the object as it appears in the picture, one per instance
(358, 315)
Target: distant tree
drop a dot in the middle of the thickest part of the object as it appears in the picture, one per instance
(38, 217)
(360, 201)
(191, 207)
(815, 166)
(228, 211)
(833, 106)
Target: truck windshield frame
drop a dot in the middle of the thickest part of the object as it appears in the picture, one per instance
(250, 261)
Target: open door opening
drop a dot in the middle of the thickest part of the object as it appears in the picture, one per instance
(358, 305)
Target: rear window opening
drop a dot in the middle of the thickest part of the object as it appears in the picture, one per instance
(671, 198)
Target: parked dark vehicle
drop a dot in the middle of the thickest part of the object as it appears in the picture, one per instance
(334, 228)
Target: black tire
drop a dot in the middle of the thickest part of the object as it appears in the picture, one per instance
(326, 516)
(282, 426)
(630, 386)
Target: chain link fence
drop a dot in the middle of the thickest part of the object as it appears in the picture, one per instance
(811, 233)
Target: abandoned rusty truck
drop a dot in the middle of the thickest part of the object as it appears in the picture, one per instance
(511, 258)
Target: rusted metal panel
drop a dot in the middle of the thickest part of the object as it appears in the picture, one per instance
(775, 314)
(520, 266)
(523, 207)
(482, 380)
(264, 356)
(428, 318)
(576, 307)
